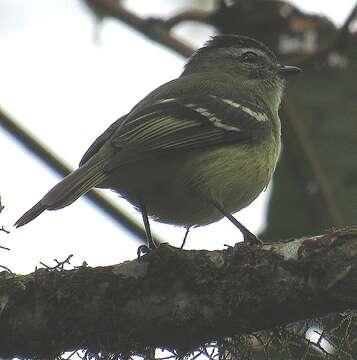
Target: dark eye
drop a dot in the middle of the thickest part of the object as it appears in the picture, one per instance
(250, 57)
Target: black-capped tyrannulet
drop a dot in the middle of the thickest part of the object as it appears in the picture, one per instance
(197, 148)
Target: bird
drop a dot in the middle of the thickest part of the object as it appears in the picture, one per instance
(196, 149)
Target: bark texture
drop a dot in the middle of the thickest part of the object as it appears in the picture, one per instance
(178, 299)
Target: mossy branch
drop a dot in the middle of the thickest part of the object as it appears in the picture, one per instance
(176, 298)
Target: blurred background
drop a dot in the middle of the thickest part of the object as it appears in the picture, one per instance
(70, 68)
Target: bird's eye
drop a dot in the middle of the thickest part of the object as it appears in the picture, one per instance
(250, 57)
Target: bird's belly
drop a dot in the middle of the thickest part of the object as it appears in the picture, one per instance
(180, 190)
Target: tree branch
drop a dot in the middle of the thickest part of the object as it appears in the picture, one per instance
(154, 29)
(177, 299)
(189, 15)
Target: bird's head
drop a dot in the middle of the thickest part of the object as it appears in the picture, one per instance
(238, 54)
(242, 57)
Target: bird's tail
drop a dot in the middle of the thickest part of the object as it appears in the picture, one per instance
(67, 191)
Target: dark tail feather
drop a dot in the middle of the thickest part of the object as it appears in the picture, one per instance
(31, 214)
(66, 191)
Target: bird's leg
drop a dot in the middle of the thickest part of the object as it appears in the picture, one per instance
(247, 235)
(185, 237)
(150, 242)
(143, 249)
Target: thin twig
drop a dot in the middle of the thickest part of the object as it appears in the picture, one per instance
(301, 339)
(4, 230)
(74, 352)
(185, 236)
(2, 207)
(6, 268)
(60, 264)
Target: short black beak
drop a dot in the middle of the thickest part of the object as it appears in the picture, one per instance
(286, 70)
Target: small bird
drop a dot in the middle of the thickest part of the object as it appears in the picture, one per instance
(197, 148)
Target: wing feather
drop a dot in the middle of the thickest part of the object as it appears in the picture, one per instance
(187, 123)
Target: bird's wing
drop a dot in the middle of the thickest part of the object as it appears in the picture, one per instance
(99, 142)
(184, 123)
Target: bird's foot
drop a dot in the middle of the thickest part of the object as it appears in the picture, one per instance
(142, 250)
(249, 238)
(148, 248)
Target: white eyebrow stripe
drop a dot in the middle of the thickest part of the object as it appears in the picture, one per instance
(212, 118)
(259, 116)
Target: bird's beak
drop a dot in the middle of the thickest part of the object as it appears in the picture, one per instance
(286, 70)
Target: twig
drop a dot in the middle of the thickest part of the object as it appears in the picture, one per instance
(2, 207)
(190, 15)
(153, 29)
(343, 33)
(338, 43)
(6, 268)
(317, 345)
(60, 264)
(4, 230)
(308, 156)
(185, 237)
(75, 351)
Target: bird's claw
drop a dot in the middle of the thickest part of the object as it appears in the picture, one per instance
(143, 250)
